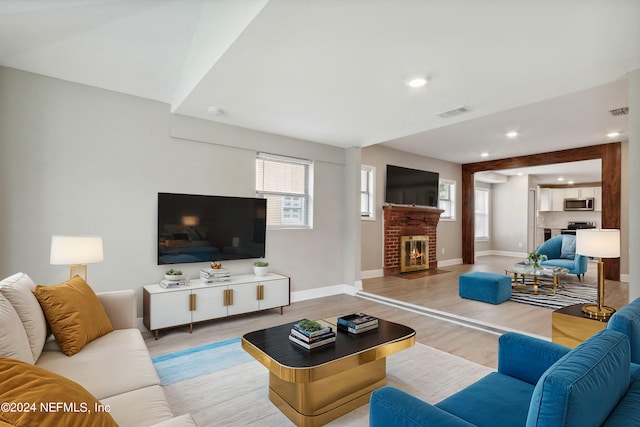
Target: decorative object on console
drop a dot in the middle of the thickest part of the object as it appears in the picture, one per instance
(173, 275)
(260, 268)
(213, 275)
(76, 251)
(216, 265)
(598, 243)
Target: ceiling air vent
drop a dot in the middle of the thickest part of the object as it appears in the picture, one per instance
(455, 112)
(620, 111)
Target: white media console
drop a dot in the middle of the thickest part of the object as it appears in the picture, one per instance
(197, 302)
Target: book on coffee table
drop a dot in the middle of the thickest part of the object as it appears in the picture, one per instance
(357, 322)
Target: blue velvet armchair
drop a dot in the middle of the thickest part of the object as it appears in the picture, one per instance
(561, 252)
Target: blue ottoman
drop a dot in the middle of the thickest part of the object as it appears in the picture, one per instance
(486, 287)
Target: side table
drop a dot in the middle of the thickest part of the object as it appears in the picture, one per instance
(569, 327)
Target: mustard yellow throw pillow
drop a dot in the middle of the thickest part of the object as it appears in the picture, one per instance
(32, 396)
(74, 313)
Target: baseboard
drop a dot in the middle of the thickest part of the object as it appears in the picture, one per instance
(369, 274)
(502, 253)
(326, 291)
(448, 262)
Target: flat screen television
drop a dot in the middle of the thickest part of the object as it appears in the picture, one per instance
(405, 186)
(198, 228)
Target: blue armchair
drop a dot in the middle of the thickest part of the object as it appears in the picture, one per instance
(561, 252)
(538, 383)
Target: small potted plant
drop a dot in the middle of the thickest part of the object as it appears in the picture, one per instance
(535, 259)
(173, 274)
(260, 268)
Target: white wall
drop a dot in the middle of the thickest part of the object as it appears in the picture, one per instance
(79, 160)
(449, 233)
(509, 203)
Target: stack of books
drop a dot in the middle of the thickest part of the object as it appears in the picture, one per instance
(357, 323)
(170, 284)
(214, 275)
(309, 339)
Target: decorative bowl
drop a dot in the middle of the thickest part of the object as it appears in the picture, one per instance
(174, 277)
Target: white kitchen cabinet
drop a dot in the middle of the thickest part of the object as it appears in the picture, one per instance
(557, 199)
(197, 302)
(544, 203)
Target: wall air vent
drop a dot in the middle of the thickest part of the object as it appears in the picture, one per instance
(620, 111)
(455, 112)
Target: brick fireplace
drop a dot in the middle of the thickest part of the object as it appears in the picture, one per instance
(406, 221)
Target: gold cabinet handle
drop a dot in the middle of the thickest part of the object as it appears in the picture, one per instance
(230, 296)
(260, 292)
(192, 302)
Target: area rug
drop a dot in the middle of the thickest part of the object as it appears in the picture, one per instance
(566, 294)
(221, 385)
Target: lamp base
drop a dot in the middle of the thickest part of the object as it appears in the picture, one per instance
(592, 311)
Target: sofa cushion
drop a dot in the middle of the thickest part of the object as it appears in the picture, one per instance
(112, 364)
(143, 407)
(74, 313)
(18, 289)
(584, 386)
(568, 248)
(14, 342)
(495, 400)
(627, 408)
(22, 383)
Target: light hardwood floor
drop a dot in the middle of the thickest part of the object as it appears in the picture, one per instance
(437, 292)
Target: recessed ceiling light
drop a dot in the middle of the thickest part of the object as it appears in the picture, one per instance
(417, 81)
(512, 134)
(570, 182)
(484, 155)
(613, 134)
(520, 174)
(560, 178)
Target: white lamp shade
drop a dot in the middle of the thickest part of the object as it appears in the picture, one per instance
(598, 243)
(67, 250)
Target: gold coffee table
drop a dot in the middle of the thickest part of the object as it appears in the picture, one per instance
(522, 271)
(313, 387)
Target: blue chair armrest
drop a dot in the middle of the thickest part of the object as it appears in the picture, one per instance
(527, 358)
(581, 264)
(390, 406)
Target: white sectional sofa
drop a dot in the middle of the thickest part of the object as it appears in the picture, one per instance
(115, 368)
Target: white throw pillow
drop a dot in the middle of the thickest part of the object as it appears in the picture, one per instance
(18, 289)
(13, 339)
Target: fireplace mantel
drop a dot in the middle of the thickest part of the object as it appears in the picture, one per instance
(408, 221)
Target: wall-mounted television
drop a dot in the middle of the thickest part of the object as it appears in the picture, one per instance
(199, 228)
(405, 186)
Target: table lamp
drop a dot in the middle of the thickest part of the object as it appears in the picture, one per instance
(598, 244)
(76, 251)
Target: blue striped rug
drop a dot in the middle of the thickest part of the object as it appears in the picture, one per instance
(206, 359)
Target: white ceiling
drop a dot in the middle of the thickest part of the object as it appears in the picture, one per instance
(333, 71)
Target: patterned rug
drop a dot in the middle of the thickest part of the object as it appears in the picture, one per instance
(215, 382)
(566, 294)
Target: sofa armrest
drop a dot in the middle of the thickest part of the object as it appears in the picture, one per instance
(581, 264)
(390, 406)
(121, 307)
(527, 358)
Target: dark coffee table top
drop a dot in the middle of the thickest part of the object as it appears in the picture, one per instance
(274, 343)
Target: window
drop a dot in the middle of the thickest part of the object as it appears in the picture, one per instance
(286, 184)
(367, 192)
(447, 200)
(482, 214)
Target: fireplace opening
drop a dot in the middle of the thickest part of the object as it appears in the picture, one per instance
(414, 253)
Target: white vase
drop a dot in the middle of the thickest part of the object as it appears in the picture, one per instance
(260, 271)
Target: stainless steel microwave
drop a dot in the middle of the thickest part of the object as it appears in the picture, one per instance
(585, 204)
